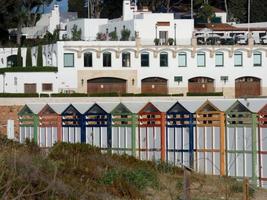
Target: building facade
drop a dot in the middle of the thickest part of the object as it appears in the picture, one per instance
(140, 65)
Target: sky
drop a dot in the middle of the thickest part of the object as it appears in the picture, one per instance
(63, 5)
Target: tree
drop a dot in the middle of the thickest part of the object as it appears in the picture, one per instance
(76, 34)
(125, 34)
(96, 7)
(29, 57)
(238, 10)
(40, 56)
(206, 12)
(19, 58)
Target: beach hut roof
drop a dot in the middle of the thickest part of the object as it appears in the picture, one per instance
(121, 108)
(134, 107)
(178, 108)
(254, 105)
(238, 107)
(31, 109)
(163, 106)
(191, 105)
(71, 109)
(108, 106)
(95, 109)
(149, 108)
(223, 104)
(83, 107)
(58, 107)
(208, 106)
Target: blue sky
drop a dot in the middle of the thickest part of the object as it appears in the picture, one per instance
(63, 5)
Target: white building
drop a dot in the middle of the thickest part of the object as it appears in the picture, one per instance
(139, 66)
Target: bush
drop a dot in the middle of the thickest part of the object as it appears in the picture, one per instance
(29, 57)
(69, 95)
(44, 95)
(113, 36)
(17, 95)
(28, 69)
(19, 61)
(40, 56)
(140, 178)
(76, 34)
(125, 34)
(205, 94)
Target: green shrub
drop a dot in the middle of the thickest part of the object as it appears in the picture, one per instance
(125, 34)
(17, 95)
(29, 57)
(19, 61)
(28, 69)
(113, 36)
(140, 178)
(40, 56)
(69, 95)
(205, 94)
(44, 95)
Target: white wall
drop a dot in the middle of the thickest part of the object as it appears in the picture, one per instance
(22, 78)
(89, 27)
(222, 15)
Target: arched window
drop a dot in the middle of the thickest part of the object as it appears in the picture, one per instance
(219, 59)
(182, 59)
(257, 59)
(163, 59)
(145, 59)
(126, 59)
(88, 59)
(238, 59)
(201, 59)
(107, 59)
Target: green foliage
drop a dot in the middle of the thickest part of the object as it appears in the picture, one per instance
(156, 41)
(76, 34)
(140, 178)
(170, 41)
(69, 95)
(17, 95)
(29, 57)
(125, 34)
(28, 69)
(205, 94)
(40, 56)
(113, 36)
(206, 12)
(19, 61)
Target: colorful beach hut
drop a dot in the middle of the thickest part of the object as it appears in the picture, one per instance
(180, 127)
(262, 145)
(50, 127)
(72, 125)
(241, 141)
(98, 126)
(210, 137)
(28, 122)
(151, 131)
(124, 125)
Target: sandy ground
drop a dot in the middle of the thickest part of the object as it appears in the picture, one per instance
(261, 195)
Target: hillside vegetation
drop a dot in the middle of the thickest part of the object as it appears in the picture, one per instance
(80, 171)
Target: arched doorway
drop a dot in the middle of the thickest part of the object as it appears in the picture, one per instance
(201, 85)
(154, 85)
(247, 86)
(106, 85)
(12, 61)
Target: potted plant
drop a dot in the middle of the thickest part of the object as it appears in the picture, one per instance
(170, 41)
(125, 34)
(156, 41)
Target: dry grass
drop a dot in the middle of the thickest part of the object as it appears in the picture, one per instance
(79, 171)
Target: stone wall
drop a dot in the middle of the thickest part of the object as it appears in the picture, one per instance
(9, 112)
